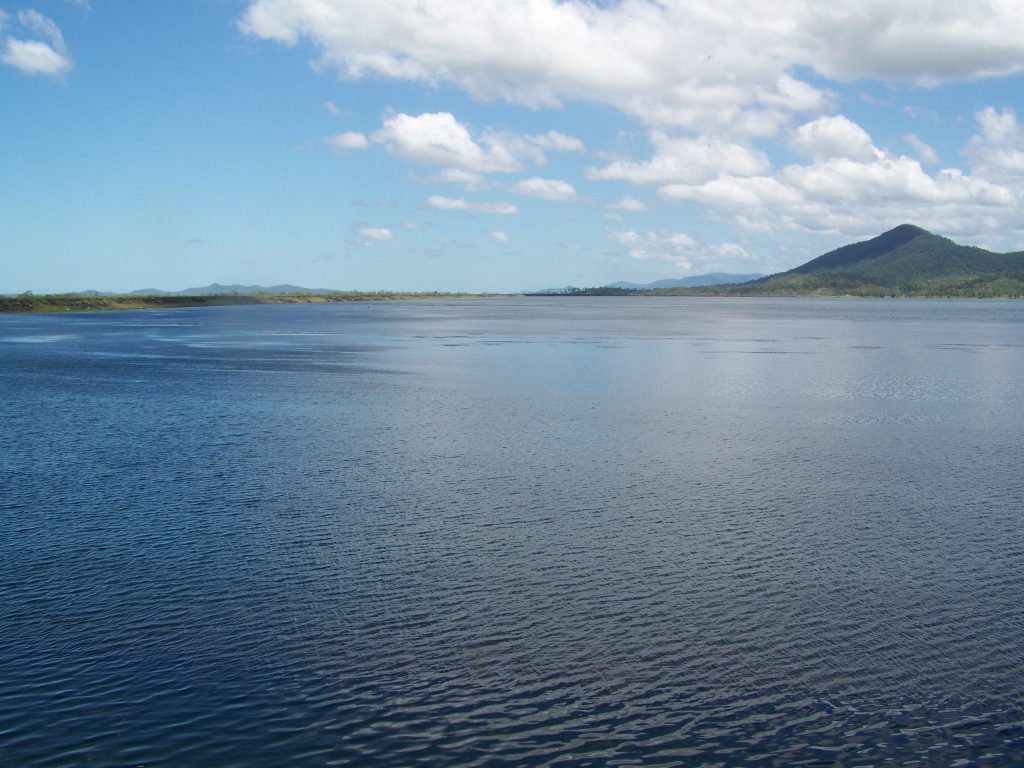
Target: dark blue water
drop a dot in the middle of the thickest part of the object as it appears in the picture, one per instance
(596, 532)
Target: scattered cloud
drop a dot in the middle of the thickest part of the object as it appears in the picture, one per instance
(333, 108)
(545, 189)
(439, 139)
(557, 142)
(498, 236)
(732, 252)
(471, 182)
(685, 160)
(47, 56)
(628, 203)
(712, 82)
(348, 141)
(375, 233)
(925, 153)
(676, 247)
(459, 204)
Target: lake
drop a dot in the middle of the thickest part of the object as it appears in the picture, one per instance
(539, 531)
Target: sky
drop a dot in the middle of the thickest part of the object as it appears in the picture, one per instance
(494, 145)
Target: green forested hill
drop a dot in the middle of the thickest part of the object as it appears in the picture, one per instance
(905, 261)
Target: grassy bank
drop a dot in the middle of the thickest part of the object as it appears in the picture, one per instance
(87, 303)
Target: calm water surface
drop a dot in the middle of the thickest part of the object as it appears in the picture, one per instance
(595, 532)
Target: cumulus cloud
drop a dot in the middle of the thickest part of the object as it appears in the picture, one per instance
(836, 136)
(498, 236)
(920, 41)
(347, 141)
(545, 189)
(376, 233)
(47, 56)
(722, 65)
(460, 204)
(997, 150)
(685, 160)
(855, 197)
(439, 139)
(710, 80)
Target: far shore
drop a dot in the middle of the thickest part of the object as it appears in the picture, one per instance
(27, 302)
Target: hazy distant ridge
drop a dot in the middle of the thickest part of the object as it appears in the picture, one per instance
(693, 281)
(217, 288)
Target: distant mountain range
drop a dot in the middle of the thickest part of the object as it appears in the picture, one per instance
(905, 261)
(217, 288)
(693, 281)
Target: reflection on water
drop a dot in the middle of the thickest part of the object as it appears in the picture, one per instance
(514, 532)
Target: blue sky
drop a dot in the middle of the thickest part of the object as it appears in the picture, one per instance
(497, 145)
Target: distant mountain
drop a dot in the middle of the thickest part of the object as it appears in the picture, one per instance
(554, 291)
(693, 281)
(715, 278)
(216, 288)
(905, 261)
(149, 292)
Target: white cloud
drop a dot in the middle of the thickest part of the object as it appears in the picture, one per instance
(333, 108)
(925, 153)
(545, 189)
(685, 160)
(471, 182)
(675, 247)
(920, 41)
(628, 203)
(836, 136)
(439, 139)
(710, 80)
(668, 63)
(998, 149)
(722, 65)
(460, 204)
(498, 236)
(350, 140)
(557, 142)
(376, 233)
(37, 57)
(732, 252)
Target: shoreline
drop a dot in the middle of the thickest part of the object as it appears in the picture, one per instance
(30, 303)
